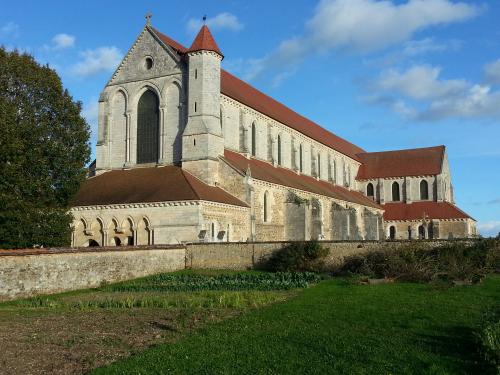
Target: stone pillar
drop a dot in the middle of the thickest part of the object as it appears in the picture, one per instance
(381, 190)
(105, 237)
(127, 139)
(439, 185)
(408, 190)
(162, 135)
(133, 137)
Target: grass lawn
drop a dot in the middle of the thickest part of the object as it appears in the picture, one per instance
(337, 327)
(71, 333)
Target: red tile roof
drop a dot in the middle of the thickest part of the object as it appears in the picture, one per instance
(241, 91)
(416, 211)
(414, 162)
(264, 171)
(170, 42)
(143, 185)
(204, 41)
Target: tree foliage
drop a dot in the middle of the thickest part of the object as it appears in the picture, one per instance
(44, 146)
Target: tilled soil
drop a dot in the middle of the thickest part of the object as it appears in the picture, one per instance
(43, 341)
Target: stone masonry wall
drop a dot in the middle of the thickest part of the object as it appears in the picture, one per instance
(28, 275)
(25, 273)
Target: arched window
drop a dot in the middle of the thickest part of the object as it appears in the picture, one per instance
(421, 232)
(392, 232)
(265, 207)
(395, 192)
(334, 166)
(301, 164)
(424, 190)
(279, 150)
(254, 136)
(319, 165)
(147, 128)
(369, 190)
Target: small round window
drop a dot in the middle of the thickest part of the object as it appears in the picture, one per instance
(148, 63)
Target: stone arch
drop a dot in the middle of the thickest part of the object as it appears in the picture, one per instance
(424, 190)
(316, 220)
(340, 222)
(392, 232)
(173, 122)
(265, 207)
(80, 232)
(421, 232)
(370, 191)
(396, 195)
(128, 231)
(148, 127)
(118, 125)
(254, 139)
(97, 232)
(113, 233)
(144, 232)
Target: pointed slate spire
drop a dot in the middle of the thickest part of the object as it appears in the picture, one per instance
(204, 41)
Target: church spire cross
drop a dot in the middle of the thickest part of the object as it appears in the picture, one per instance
(148, 18)
(204, 19)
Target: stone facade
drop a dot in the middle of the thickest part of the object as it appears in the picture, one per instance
(195, 123)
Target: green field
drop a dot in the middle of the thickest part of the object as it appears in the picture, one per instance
(214, 322)
(338, 326)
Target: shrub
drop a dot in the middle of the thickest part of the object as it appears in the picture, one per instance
(488, 338)
(297, 257)
(451, 262)
(231, 282)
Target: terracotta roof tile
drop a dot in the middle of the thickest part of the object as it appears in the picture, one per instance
(416, 211)
(413, 162)
(264, 171)
(170, 42)
(204, 41)
(146, 185)
(241, 91)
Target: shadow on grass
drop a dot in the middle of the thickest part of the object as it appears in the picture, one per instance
(460, 344)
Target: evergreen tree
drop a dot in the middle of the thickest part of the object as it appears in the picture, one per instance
(44, 147)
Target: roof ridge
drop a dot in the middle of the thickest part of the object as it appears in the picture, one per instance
(403, 149)
(189, 181)
(345, 147)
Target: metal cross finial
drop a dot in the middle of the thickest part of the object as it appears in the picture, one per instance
(148, 18)
(204, 19)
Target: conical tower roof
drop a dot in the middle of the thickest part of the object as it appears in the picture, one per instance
(204, 41)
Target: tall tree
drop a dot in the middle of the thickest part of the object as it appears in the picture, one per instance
(44, 147)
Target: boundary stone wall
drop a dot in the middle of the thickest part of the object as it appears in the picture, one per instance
(30, 272)
(25, 274)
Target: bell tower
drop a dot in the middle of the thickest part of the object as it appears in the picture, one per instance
(202, 141)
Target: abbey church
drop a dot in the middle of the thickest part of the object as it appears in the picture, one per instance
(187, 152)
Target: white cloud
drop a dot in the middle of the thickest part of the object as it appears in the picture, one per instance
(421, 95)
(364, 26)
(492, 72)
(61, 41)
(97, 60)
(476, 102)
(489, 228)
(419, 82)
(221, 21)
(10, 29)
(419, 47)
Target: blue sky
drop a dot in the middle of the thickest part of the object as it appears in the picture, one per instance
(382, 74)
